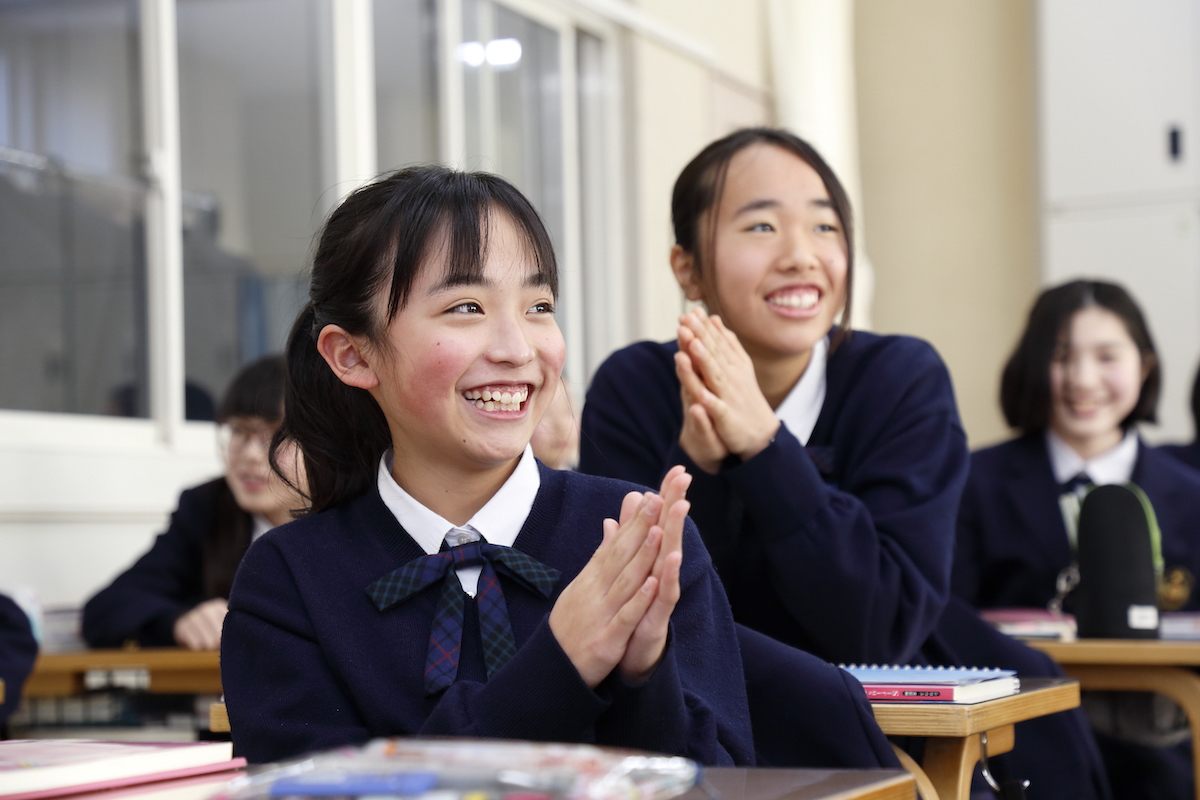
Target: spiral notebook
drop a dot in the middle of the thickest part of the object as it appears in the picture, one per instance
(909, 684)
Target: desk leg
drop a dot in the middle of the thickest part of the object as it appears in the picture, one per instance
(950, 760)
(1179, 684)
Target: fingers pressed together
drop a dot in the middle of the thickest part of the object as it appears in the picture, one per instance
(617, 610)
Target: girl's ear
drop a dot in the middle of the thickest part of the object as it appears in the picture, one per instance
(346, 357)
(683, 264)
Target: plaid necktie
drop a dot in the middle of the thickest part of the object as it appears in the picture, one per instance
(445, 637)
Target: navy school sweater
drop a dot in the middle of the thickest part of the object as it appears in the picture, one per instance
(308, 662)
(843, 547)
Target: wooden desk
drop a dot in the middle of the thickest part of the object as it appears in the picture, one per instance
(1136, 665)
(760, 783)
(162, 670)
(952, 747)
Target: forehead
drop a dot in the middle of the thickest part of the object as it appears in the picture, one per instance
(506, 253)
(767, 172)
(1095, 326)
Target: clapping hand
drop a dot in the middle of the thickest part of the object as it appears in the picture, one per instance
(617, 610)
(725, 411)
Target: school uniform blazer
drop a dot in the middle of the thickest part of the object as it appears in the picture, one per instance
(192, 561)
(1012, 541)
(309, 662)
(18, 650)
(1187, 453)
(841, 548)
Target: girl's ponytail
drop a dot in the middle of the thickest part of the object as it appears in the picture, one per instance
(341, 430)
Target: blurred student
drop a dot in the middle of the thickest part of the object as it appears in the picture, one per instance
(1190, 453)
(176, 593)
(1083, 374)
(556, 438)
(18, 650)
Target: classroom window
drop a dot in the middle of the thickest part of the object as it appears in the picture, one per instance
(253, 178)
(256, 103)
(72, 267)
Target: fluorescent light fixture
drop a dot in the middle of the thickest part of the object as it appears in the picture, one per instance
(497, 53)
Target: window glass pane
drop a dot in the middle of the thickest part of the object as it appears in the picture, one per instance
(523, 56)
(405, 82)
(256, 174)
(72, 269)
(595, 242)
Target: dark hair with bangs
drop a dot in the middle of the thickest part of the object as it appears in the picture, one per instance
(699, 188)
(1025, 383)
(256, 391)
(375, 243)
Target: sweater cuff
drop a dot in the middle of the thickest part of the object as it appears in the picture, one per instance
(544, 689)
(651, 715)
(783, 459)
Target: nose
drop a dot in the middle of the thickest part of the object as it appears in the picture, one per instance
(1082, 371)
(798, 252)
(512, 343)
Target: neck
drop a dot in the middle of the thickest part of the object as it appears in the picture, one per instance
(452, 493)
(1088, 447)
(279, 516)
(777, 375)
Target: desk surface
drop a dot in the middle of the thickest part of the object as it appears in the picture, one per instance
(1145, 652)
(167, 669)
(1037, 697)
(804, 784)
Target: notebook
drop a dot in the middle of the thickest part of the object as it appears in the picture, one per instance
(934, 684)
(37, 768)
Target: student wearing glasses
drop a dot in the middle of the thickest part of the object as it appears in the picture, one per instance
(176, 593)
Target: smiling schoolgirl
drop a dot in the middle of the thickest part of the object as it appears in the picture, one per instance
(417, 374)
(1083, 374)
(828, 464)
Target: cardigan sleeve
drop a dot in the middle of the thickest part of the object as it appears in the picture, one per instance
(859, 559)
(863, 560)
(689, 706)
(143, 602)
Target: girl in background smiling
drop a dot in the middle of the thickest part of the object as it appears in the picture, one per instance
(1083, 374)
(828, 464)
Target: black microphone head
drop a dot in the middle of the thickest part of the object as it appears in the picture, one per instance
(1117, 594)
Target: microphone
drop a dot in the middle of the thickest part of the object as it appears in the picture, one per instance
(1117, 594)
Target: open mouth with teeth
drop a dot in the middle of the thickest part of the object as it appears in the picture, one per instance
(507, 398)
(803, 299)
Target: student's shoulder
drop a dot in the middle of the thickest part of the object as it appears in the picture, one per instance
(889, 352)
(341, 528)
(645, 359)
(577, 488)
(1164, 472)
(1012, 455)
(1188, 454)
(871, 368)
(205, 496)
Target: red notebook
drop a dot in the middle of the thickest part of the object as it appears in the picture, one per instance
(37, 768)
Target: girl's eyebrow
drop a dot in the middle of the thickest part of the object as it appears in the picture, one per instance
(768, 203)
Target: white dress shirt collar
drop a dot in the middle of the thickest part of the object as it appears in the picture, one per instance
(802, 406)
(499, 521)
(1114, 465)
